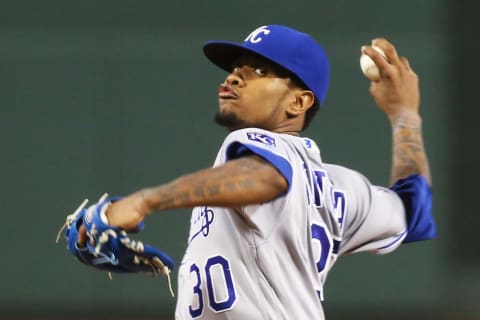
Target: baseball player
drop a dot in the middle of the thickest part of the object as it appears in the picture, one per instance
(270, 217)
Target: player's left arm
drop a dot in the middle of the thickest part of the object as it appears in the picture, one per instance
(249, 179)
(242, 181)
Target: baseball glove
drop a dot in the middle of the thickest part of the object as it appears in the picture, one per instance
(110, 248)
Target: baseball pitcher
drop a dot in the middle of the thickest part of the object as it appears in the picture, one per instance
(270, 218)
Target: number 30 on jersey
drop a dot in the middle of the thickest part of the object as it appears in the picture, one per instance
(220, 287)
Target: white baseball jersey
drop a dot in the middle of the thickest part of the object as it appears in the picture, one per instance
(270, 261)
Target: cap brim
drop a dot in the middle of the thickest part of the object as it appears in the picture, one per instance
(224, 53)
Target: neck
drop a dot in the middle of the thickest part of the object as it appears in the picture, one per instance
(288, 128)
(293, 133)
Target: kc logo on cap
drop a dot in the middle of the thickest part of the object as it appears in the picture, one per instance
(254, 37)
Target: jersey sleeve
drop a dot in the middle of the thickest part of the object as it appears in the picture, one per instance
(381, 219)
(375, 220)
(262, 143)
(383, 226)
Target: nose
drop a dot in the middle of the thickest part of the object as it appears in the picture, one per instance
(235, 78)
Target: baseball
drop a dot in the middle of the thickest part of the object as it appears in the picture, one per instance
(370, 70)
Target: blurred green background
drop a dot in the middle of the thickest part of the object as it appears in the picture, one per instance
(113, 96)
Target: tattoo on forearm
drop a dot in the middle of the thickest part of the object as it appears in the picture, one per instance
(183, 197)
(408, 153)
(199, 192)
(169, 199)
(213, 190)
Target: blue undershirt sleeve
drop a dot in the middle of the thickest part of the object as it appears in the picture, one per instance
(416, 196)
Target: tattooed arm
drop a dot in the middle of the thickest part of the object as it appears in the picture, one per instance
(247, 180)
(397, 95)
(408, 154)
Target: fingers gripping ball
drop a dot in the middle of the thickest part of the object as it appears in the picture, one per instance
(369, 68)
(110, 248)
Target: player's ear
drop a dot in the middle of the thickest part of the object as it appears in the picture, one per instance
(302, 100)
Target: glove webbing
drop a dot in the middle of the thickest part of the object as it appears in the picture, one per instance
(135, 246)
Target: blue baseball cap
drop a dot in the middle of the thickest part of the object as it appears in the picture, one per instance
(293, 50)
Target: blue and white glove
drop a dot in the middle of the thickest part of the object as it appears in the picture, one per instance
(109, 248)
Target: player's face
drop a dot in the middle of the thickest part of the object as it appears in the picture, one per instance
(255, 94)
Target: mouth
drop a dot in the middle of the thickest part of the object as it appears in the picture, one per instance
(226, 92)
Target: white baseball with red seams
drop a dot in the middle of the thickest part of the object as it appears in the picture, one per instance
(369, 68)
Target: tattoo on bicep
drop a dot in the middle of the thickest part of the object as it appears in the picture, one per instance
(247, 183)
(227, 186)
(230, 186)
(241, 175)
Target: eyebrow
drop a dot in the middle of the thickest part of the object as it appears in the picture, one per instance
(255, 61)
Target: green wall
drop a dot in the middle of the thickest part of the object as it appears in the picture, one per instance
(116, 95)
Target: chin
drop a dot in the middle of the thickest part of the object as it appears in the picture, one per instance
(229, 120)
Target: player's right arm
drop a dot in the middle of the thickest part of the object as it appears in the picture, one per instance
(397, 95)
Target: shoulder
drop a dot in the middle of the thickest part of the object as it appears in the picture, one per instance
(254, 135)
(253, 138)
